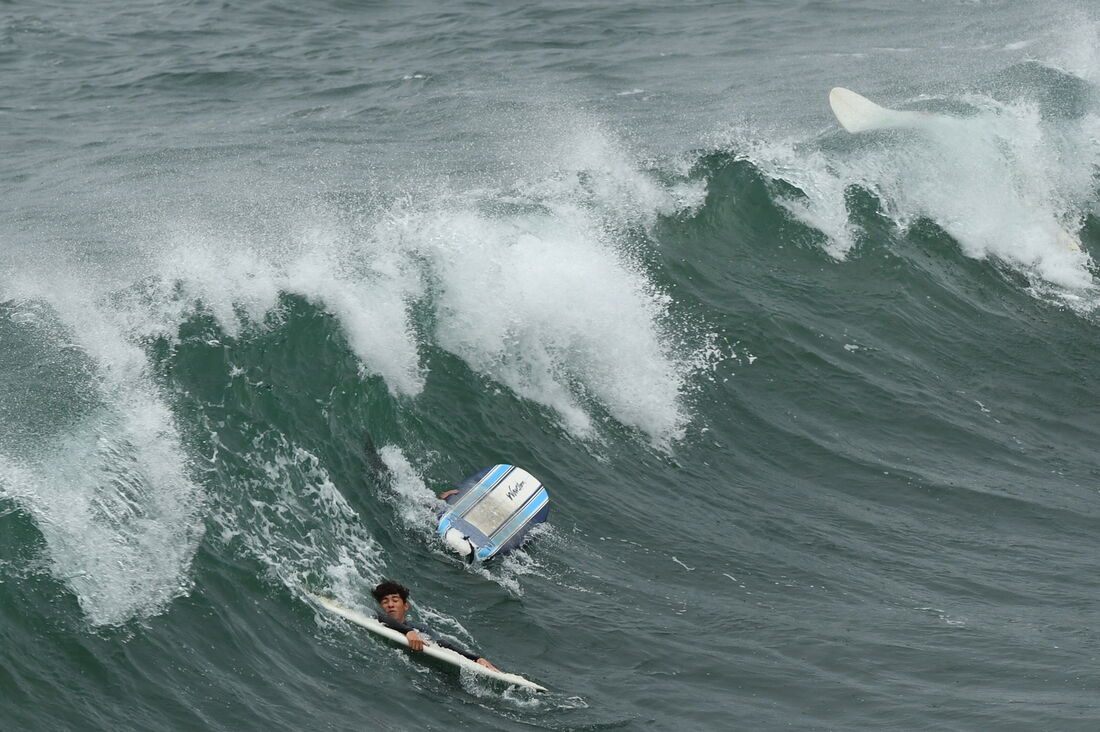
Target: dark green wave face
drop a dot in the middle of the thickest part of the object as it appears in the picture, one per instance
(816, 410)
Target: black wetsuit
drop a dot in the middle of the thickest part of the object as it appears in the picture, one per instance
(404, 628)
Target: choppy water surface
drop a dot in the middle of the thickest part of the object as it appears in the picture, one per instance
(817, 410)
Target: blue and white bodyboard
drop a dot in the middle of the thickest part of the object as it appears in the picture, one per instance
(493, 512)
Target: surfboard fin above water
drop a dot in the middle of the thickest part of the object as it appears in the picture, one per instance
(857, 113)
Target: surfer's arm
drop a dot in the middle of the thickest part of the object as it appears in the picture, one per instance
(457, 649)
(447, 494)
(468, 654)
(416, 643)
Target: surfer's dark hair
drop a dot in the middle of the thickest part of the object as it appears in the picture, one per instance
(389, 587)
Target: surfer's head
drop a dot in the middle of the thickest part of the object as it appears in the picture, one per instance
(394, 599)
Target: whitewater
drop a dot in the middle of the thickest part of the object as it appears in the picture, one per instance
(816, 409)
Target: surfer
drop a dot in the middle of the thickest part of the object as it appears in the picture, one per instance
(393, 598)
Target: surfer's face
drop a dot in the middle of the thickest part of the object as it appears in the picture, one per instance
(394, 606)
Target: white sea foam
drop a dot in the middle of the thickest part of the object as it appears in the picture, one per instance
(417, 504)
(548, 298)
(1075, 46)
(239, 284)
(815, 174)
(283, 508)
(1004, 182)
(537, 284)
(543, 305)
(111, 493)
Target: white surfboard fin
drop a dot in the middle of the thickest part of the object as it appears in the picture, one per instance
(857, 113)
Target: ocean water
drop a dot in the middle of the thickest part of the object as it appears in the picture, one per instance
(817, 411)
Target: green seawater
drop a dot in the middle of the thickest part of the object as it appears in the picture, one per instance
(816, 411)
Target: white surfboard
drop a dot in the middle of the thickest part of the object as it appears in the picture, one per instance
(443, 654)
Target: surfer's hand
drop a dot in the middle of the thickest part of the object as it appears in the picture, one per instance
(447, 494)
(486, 664)
(416, 643)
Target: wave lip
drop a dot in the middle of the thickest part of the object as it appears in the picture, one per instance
(108, 484)
(1009, 180)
